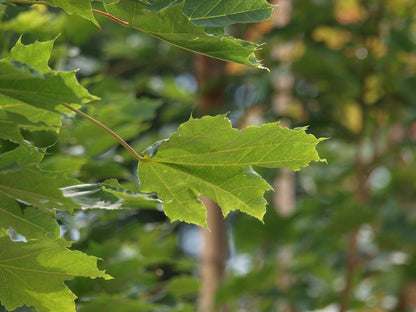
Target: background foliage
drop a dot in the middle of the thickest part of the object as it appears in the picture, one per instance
(346, 68)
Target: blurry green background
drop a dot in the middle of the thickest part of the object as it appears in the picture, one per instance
(337, 236)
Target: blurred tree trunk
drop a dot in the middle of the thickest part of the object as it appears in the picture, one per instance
(361, 194)
(352, 262)
(284, 198)
(210, 76)
(407, 298)
(285, 195)
(283, 84)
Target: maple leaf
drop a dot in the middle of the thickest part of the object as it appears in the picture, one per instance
(208, 157)
(33, 274)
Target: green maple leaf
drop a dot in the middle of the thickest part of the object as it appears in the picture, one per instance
(33, 274)
(208, 157)
(173, 26)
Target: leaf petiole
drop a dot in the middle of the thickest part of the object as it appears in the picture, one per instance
(111, 17)
(105, 128)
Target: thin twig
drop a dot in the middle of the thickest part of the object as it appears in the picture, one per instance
(118, 138)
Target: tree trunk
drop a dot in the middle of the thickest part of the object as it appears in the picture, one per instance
(285, 193)
(213, 257)
(210, 76)
(361, 194)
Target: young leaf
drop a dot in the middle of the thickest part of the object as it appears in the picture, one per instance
(33, 274)
(172, 26)
(208, 157)
(214, 13)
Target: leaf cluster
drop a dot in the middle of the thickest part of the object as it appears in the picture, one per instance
(52, 164)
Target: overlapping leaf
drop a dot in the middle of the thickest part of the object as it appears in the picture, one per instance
(29, 222)
(28, 117)
(174, 27)
(221, 13)
(208, 157)
(25, 78)
(19, 82)
(80, 7)
(33, 274)
(23, 155)
(40, 190)
(19, 121)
